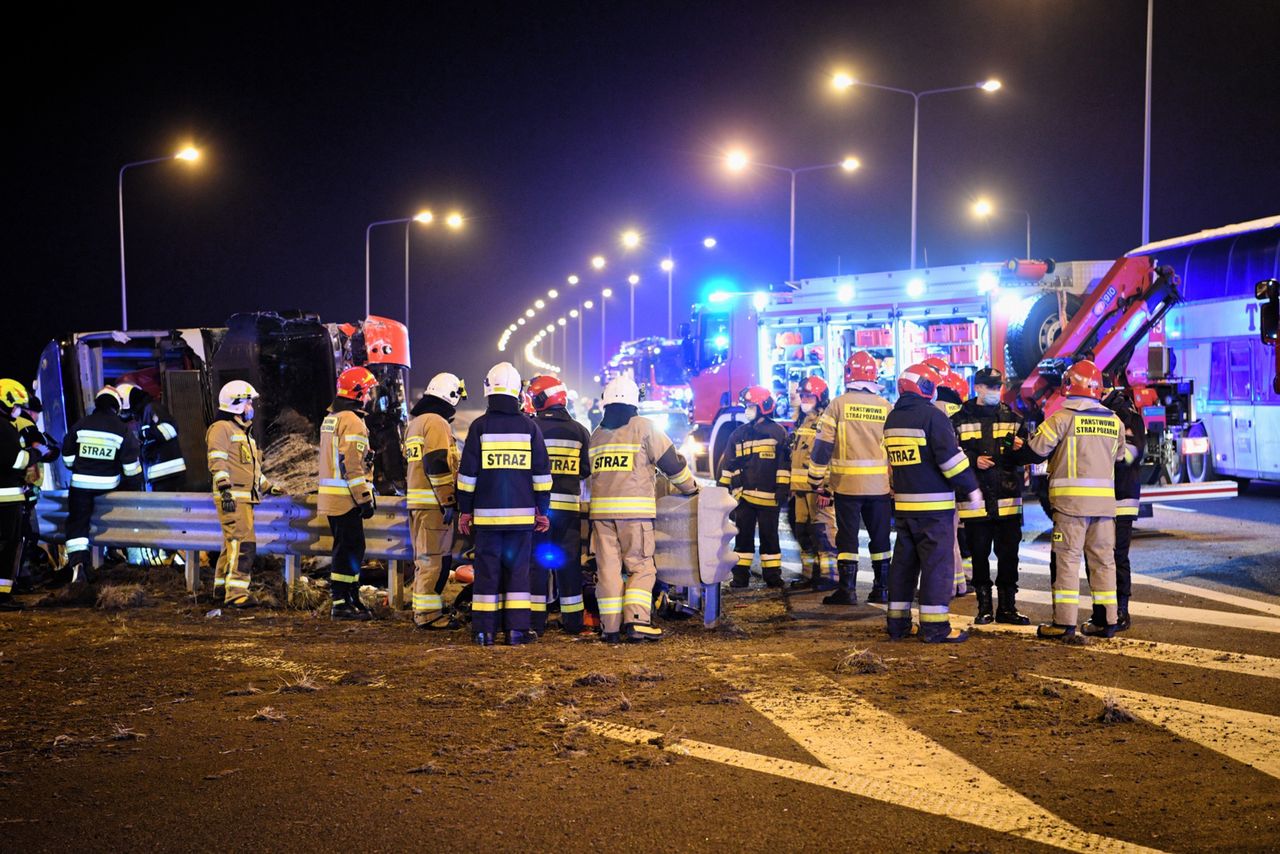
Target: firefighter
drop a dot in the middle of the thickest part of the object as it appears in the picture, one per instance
(953, 391)
(848, 459)
(813, 521)
(238, 483)
(558, 551)
(346, 491)
(625, 449)
(15, 459)
(43, 449)
(756, 467)
(431, 454)
(504, 488)
(1082, 441)
(101, 453)
(1128, 494)
(990, 432)
(928, 469)
(162, 463)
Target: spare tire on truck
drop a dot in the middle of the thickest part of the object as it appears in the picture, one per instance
(1032, 328)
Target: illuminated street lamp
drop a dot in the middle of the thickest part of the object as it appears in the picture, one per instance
(843, 81)
(573, 280)
(604, 295)
(187, 154)
(630, 239)
(737, 160)
(984, 209)
(709, 242)
(598, 262)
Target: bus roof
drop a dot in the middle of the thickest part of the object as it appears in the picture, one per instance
(1207, 235)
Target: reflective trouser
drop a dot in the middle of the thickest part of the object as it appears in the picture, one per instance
(10, 543)
(617, 543)
(432, 540)
(872, 510)
(748, 518)
(1074, 537)
(239, 546)
(815, 530)
(1005, 534)
(500, 594)
(79, 510)
(1124, 574)
(558, 552)
(348, 556)
(923, 553)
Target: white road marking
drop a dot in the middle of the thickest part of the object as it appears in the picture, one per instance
(1175, 509)
(1203, 616)
(1248, 737)
(1180, 587)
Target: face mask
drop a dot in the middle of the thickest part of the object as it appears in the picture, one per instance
(248, 413)
(15, 413)
(751, 413)
(989, 398)
(806, 407)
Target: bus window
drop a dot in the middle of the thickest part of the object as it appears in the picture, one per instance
(1241, 371)
(1218, 371)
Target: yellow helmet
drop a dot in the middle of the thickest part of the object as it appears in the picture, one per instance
(13, 393)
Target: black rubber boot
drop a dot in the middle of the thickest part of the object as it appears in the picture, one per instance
(1053, 631)
(953, 636)
(483, 638)
(879, 592)
(8, 603)
(741, 577)
(1122, 614)
(985, 615)
(1007, 612)
(773, 578)
(845, 593)
(1098, 630)
(809, 582)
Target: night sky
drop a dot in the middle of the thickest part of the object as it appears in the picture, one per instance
(555, 126)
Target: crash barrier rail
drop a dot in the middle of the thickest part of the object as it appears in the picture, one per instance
(290, 526)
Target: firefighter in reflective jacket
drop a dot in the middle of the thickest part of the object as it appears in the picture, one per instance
(15, 460)
(346, 489)
(813, 521)
(42, 449)
(162, 463)
(1082, 441)
(558, 551)
(1128, 494)
(504, 489)
(990, 432)
(756, 468)
(238, 482)
(431, 455)
(928, 469)
(625, 449)
(849, 459)
(953, 390)
(101, 453)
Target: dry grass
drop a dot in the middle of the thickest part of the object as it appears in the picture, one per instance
(124, 733)
(243, 692)
(304, 684)
(268, 714)
(307, 595)
(117, 597)
(1113, 712)
(644, 674)
(593, 679)
(862, 661)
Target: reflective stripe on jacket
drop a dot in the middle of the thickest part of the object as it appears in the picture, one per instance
(756, 465)
(1082, 442)
(928, 468)
(504, 479)
(431, 456)
(987, 431)
(101, 452)
(568, 446)
(849, 449)
(234, 459)
(344, 472)
(622, 464)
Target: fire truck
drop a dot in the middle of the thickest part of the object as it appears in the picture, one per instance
(658, 367)
(292, 358)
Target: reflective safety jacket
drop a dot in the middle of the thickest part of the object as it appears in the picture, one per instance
(568, 446)
(161, 452)
(802, 439)
(849, 448)
(15, 458)
(947, 407)
(1128, 471)
(1082, 442)
(756, 466)
(505, 477)
(928, 468)
(344, 465)
(989, 431)
(32, 436)
(101, 453)
(432, 457)
(234, 459)
(622, 464)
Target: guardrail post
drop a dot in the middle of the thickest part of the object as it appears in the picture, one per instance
(711, 606)
(291, 563)
(192, 560)
(395, 584)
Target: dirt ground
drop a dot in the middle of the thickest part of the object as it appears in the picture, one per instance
(157, 727)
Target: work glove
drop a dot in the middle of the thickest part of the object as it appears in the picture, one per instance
(368, 509)
(227, 503)
(541, 523)
(824, 498)
(464, 524)
(448, 513)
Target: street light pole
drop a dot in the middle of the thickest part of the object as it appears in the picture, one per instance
(185, 154)
(368, 229)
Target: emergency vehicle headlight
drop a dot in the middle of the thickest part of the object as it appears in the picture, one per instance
(760, 300)
(1195, 445)
(988, 283)
(845, 294)
(915, 288)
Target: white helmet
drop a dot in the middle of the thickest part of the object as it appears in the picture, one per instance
(235, 396)
(448, 388)
(125, 392)
(503, 378)
(621, 389)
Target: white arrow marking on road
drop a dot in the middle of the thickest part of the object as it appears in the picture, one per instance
(1248, 737)
(872, 753)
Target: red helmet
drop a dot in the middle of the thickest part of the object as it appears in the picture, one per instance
(957, 384)
(919, 379)
(547, 391)
(1083, 380)
(939, 365)
(759, 397)
(861, 368)
(816, 387)
(357, 384)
